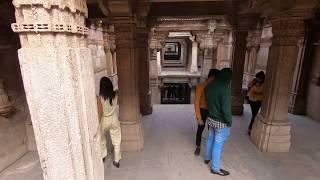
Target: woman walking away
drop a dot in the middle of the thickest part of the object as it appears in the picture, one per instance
(255, 94)
(107, 105)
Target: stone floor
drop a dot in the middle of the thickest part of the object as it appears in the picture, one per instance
(169, 146)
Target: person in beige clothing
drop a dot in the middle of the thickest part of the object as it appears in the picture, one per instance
(107, 106)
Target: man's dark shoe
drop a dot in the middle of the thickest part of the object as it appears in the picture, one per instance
(197, 151)
(206, 161)
(222, 172)
(116, 164)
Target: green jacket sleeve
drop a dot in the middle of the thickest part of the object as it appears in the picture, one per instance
(226, 107)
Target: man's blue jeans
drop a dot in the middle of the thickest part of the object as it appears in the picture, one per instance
(215, 142)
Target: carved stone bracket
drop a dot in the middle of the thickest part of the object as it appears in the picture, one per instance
(207, 41)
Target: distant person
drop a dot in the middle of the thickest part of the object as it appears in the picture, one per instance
(107, 105)
(174, 92)
(218, 97)
(169, 92)
(255, 95)
(200, 107)
(180, 91)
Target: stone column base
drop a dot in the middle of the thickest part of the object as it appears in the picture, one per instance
(132, 136)
(271, 137)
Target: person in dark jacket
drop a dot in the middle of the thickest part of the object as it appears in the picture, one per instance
(200, 107)
(218, 97)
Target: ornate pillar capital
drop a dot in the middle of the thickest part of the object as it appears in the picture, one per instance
(157, 39)
(207, 41)
(254, 39)
(287, 30)
(109, 38)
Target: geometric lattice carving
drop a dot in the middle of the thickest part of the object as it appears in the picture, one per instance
(63, 28)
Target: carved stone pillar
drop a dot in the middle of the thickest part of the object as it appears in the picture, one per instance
(298, 91)
(154, 81)
(194, 57)
(208, 45)
(127, 63)
(59, 83)
(96, 46)
(271, 130)
(107, 48)
(207, 62)
(144, 74)
(239, 53)
(253, 42)
(242, 24)
(156, 43)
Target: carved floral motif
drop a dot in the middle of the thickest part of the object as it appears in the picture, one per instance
(287, 31)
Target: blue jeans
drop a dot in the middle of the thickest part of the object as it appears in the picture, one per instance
(215, 142)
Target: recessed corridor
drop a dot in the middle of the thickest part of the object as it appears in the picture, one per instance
(169, 146)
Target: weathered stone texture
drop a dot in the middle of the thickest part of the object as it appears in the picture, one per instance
(59, 82)
(271, 127)
(129, 105)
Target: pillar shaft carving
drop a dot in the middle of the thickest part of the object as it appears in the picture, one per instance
(127, 63)
(242, 24)
(239, 53)
(208, 43)
(59, 84)
(253, 45)
(109, 47)
(271, 131)
(225, 56)
(194, 56)
(144, 67)
(96, 46)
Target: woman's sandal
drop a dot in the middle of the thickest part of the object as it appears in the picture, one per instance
(222, 172)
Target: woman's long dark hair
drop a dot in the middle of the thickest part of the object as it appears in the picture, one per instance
(106, 89)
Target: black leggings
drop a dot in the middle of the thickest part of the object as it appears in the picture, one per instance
(255, 106)
(204, 115)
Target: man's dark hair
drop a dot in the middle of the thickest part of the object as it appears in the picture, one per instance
(212, 72)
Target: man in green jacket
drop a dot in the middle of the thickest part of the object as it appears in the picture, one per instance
(218, 97)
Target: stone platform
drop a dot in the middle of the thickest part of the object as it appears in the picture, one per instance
(169, 145)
